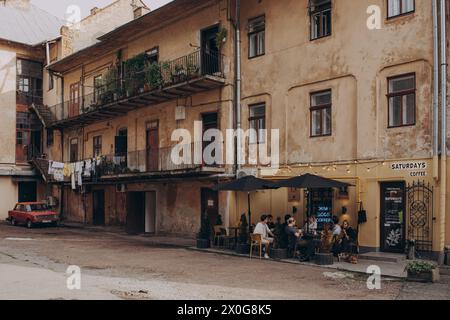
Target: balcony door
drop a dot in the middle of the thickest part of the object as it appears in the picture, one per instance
(152, 146)
(210, 121)
(210, 51)
(74, 100)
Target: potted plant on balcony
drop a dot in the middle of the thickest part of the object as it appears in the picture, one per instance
(278, 252)
(204, 236)
(422, 271)
(153, 77)
(243, 247)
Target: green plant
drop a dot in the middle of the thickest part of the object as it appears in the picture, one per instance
(417, 267)
(219, 221)
(134, 73)
(205, 228)
(220, 37)
(153, 76)
(243, 230)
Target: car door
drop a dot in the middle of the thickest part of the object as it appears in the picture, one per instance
(20, 213)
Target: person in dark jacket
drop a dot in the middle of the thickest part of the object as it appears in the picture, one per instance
(348, 237)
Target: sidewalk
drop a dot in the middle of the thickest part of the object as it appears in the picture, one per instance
(388, 269)
(160, 240)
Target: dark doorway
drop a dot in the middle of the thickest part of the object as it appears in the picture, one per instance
(210, 204)
(152, 147)
(135, 213)
(210, 51)
(210, 121)
(99, 208)
(121, 147)
(393, 211)
(27, 191)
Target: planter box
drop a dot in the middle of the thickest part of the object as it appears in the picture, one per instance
(279, 254)
(324, 259)
(203, 244)
(432, 276)
(243, 248)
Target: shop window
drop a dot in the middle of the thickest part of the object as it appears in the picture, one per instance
(321, 114)
(257, 37)
(257, 122)
(400, 7)
(320, 12)
(402, 101)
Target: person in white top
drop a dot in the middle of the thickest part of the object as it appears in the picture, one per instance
(267, 236)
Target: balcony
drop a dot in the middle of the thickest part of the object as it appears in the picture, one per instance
(139, 165)
(124, 90)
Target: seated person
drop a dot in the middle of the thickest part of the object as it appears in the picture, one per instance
(348, 237)
(266, 235)
(337, 237)
(270, 222)
(336, 227)
(293, 235)
(284, 238)
(311, 226)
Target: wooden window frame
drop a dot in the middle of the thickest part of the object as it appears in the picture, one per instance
(321, 12)
(321, 108)
(256, 120)
(251, 33)
(388, 17)
(401, 94)
(97, 145)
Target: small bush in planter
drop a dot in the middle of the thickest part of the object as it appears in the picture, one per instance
(204, 236)
(422, 271)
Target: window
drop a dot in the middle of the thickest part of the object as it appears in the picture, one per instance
(97, 146)
(400, 7)
(402, 101)
(51, 81)
(257, 37)
(257, 121)
(50, 137)
(73, 150)
(23, 84)
(98, 86)
(320, 13)
(321, 114)
(152, 55)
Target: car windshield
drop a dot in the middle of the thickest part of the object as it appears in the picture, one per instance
(37, 207)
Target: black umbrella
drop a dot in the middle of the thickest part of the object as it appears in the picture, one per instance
(246, 184)
(310, 181)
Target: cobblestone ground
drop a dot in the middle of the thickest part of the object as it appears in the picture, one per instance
(33, 265)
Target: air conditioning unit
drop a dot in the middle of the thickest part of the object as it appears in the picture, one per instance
(247, 172)
(121, 188)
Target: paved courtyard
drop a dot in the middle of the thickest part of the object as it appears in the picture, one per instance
(33, 265)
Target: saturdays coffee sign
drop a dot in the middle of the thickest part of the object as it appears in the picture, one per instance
(415, 168)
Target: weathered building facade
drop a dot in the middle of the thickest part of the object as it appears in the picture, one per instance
(352, 99)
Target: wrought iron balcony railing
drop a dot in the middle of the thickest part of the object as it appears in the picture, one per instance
(130, 87)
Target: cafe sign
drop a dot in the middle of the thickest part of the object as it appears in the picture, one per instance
(414, 168)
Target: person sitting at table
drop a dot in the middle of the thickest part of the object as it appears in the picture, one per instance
(337, 237)
(348, 238)
(270, 222)
(293, 235)
(336, 227)
(267, 236)
(311, 225)
(284, 238)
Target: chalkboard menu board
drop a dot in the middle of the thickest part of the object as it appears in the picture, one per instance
(393, 217)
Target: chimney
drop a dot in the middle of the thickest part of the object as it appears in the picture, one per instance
(94, 10)
(139, 8)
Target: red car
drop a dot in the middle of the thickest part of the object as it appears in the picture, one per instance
(33, 213)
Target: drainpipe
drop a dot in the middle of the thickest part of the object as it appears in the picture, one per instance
(443, 181)
(238, 86)
(436, 91)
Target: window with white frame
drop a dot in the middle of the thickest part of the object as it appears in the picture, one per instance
(400, 7)
(320, 12)
(257, 37)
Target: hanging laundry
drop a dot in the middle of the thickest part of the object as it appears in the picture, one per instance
(50, 167)
(87, 168)
(79, 172)
(72, 176)
(58, 175)
(66, 170)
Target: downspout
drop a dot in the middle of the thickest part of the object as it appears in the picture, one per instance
(238, 87)
(436, 91)
(443, 182)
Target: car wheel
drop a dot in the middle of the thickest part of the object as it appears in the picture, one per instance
(29, 224)
(13, 222)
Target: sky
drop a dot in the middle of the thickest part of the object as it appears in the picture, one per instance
(58, 8)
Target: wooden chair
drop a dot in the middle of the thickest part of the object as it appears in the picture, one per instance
(256, 241)
(217, 235)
